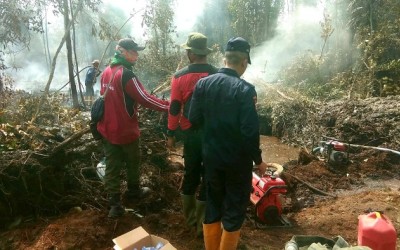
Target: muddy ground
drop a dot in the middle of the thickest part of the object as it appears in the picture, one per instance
(370, 181)
(52, 198)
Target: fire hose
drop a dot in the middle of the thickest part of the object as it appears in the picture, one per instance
(368, 147)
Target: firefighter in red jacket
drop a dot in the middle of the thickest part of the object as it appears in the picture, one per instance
(119, 126)
(182, 86)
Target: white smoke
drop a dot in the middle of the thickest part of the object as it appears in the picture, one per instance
(297, 32)
(31, 71)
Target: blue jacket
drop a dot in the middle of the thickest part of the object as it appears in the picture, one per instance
(223, 104)
(91, 76)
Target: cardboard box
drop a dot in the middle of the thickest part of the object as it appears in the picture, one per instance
(138, 238)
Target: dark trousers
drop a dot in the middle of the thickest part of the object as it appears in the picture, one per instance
(89, 90)
(119, 157)
(193, 161)
(228, 194)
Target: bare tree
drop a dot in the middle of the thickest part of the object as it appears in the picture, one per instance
(54, 61)
(68, 24)
(76, 59)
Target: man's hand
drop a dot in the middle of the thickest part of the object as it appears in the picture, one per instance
(262, 167)
(171, 143)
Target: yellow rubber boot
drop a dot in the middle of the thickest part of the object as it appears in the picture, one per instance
(212, 235)
(229, 240)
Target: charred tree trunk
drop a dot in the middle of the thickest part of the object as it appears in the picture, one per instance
(69, 56)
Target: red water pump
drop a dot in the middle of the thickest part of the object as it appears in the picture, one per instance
(334, 152)
(268, 196)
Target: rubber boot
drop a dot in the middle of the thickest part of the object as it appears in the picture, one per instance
(116, 209)
(200, 212)
(189, 209)
(229, 240)
(212, 235)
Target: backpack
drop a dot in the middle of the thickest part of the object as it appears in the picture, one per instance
(96, 113)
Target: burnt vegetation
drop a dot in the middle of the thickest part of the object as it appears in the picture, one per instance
(349, 90)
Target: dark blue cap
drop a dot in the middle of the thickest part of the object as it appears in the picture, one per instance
(239, 44)
(129, 44)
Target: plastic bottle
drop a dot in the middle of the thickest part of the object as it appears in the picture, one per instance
(291, 246)
(159, 246)
(101, 168)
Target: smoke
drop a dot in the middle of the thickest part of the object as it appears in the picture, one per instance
(30, 69)
(186, 16)
(297, 32)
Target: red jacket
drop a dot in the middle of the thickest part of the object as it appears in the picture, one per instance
(120, 121)
(182, 86)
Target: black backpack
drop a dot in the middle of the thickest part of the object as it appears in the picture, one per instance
(96, 113)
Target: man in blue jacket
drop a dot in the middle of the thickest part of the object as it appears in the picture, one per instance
(224, 105)
(90, 80)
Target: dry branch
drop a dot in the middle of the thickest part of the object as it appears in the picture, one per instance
(310, 186)
(72, 138)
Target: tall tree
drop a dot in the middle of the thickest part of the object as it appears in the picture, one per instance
(160, 58)
(375, 25)
(255, 20)
(67, 25)
(215, 22)
(159, 18)
(17, 19)
(66, 8)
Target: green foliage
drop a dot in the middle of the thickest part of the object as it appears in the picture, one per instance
(161, 57)
(17, 19)
(367, 55)
(216, 57)
(215, 22)
(376, 26)
(302, 72)
(154, 68)
(159, 18)
(6, 97)
(367, 67)
(326, 29)
(290, 117)
(316, 78)
(255, 20)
